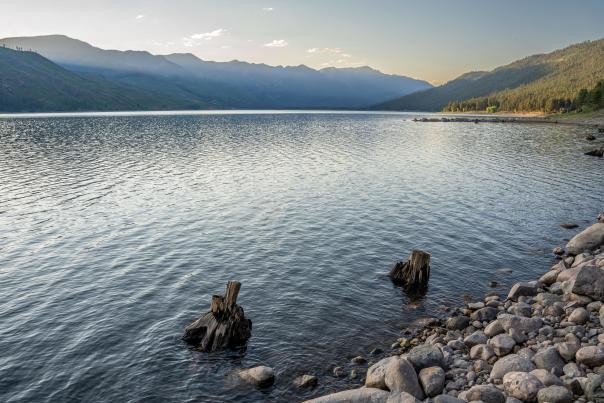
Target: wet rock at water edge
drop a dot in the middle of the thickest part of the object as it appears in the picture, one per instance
(587, 240)
(567, 226)
(306, 381)
(261, 376)
(224, 326)
(361, 395)
(598, 152)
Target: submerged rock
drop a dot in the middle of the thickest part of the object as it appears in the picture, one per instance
(261, 376)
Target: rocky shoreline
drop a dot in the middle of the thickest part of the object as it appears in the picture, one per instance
(544, 342)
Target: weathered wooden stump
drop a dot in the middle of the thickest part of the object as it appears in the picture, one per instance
(224, 326)
(414, 273)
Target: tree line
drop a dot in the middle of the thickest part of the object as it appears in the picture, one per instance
(511, 101)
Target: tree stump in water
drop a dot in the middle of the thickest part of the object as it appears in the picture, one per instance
(414, 273)
(224, 326)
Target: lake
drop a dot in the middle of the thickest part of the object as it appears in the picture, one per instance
(115, 230)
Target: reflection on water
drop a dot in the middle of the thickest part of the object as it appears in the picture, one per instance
(116, 230)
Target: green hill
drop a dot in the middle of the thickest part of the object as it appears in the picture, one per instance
(547, 82)
(29, 82)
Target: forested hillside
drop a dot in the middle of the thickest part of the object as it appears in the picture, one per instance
(548, 82)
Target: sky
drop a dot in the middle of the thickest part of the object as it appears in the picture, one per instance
(434, 40)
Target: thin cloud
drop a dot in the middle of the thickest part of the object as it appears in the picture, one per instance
(268, 9)
(140, 16)
(336, 51)
(276, 43)
(206, 36)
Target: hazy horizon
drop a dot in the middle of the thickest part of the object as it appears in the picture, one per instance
(434, 41)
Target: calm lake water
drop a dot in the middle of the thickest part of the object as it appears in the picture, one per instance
(116, 230)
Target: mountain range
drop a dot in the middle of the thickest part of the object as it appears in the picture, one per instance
(58, 73)
(545, 82)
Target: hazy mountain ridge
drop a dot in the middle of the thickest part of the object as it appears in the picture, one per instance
(30, 82)
(528, 84)
(232, 84)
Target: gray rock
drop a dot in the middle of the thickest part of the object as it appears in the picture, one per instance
(526, 353)
(493, 329)
(521, 309)
(511, 363)
(572, 370)
(401, 377)
(589, 239)
(554, 394)
(361, 395)
(402, 397)
(502, 344)
(522, 290)
(485, 314)
(457, 345)
(550, 277)
(376, 374)
(567, 350)
(476, 305)
(425, 356)
(526, 325)
(482, 352)
(522, 385)
(546, 377)
(589, 282)
(592, 356)
(457, 322)
(447, 399)
(550, 360)
(306, 381)
(261, 376)
(478, 337)
(582, 258)
(432, 380)
(510, 399)
(485, 393)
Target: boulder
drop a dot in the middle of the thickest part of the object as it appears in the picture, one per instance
(550, 277)
(579, 316)
(589, 282)
(425, 356)
(401, 377)
(522, 385)
(447, 399)
(520, 323)
(555, 394)
(432, 380)
(522, 290)
(550, 360)
(592, 356)
(402, 397)
(493, 329)
(260, 376)
(306, 381)
(511, 363)
(485, 314)
(567, 350)
(546, 377)
(589, 239)
(502, 344)
(376, 373)
(361, 395)
(478, 337)
(482, 352)
(457, 322)
(485, 393)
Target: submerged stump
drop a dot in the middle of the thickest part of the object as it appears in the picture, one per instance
(224, 326)
(414, 273)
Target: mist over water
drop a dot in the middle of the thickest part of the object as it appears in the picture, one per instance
(116, 230)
